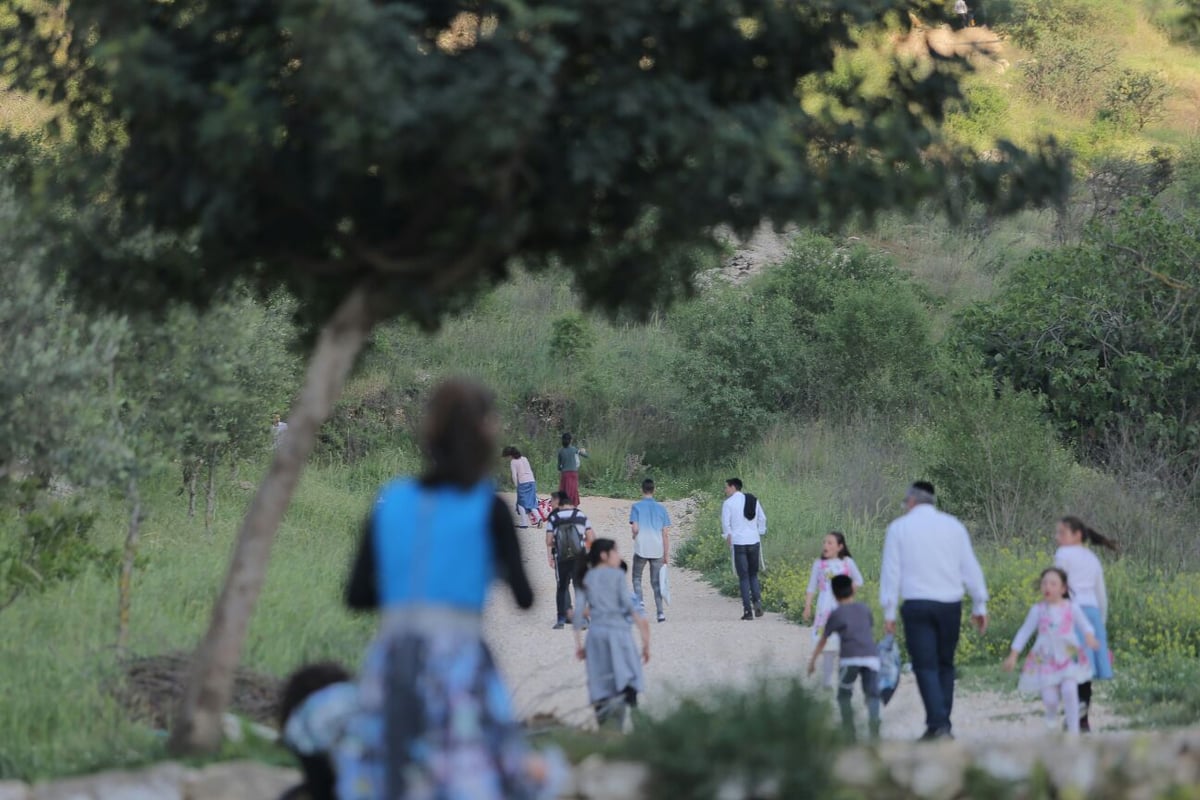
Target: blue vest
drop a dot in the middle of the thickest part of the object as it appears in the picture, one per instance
(433, 545)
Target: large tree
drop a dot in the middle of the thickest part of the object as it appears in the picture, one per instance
(382, 158)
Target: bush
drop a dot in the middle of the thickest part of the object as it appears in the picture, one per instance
(1068, 73)
(981, 116)
(1137, 97)
(775, 734)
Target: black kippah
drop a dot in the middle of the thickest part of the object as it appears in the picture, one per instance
(923, 486)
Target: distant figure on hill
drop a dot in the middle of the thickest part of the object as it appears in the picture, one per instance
(432, 698)
(568, 468)
(744, 523)
(927, 559)
(651, 527)
(963, 12)
(526, 486)
(278, 428)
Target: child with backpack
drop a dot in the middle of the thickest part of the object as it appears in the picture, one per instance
(835, 560)
(614, 669)
(568, 537)
(852, 622)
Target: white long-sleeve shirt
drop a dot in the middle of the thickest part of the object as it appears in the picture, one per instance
(1085, 576)
(521, 471)
(734, 525)
(927, 555)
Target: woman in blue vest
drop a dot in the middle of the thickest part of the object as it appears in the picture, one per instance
(437, 720)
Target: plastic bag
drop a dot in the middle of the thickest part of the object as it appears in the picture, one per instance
(889, 668)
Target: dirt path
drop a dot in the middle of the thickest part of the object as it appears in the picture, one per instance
(703, 643)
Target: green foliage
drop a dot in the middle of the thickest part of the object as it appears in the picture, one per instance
(571, 339)
(830, 331)
(776, 734)
(1159, 690)
(1136, 97)
(983, 112)
(618, 138)
(1068, 73)
(1106, 332)
(1030, 23)
(991, 453)
(44, 543)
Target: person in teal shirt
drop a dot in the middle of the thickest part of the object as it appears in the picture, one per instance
(651, 527)
(568, 468)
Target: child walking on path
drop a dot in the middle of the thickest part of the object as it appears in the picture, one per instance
(568, 468)
(1086, 575)
(852, 622)
(614, 670)
(1058, 663)
(835, 560)
(526, 486)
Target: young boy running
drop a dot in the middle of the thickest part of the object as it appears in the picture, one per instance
(860, 658)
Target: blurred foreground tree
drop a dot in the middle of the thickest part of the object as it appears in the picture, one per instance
(380, 158)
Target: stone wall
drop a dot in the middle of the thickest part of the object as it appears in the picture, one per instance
(1138, 766)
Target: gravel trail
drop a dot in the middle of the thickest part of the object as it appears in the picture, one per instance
(703, 643)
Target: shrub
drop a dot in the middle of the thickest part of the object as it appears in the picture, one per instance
(1137, 97)
(1031, 22)
(981, 116)
(731, 741)
(1068, 73)
(571, 338)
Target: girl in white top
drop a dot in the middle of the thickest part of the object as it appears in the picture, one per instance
(1057, 663)
(1086, 574)
(835, 560)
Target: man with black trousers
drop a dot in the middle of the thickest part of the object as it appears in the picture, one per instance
(744, 523)
(574, 523)
(927, 560)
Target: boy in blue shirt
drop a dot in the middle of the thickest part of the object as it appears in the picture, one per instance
(651, 527)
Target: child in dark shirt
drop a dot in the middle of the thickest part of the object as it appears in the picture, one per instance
(860, 657)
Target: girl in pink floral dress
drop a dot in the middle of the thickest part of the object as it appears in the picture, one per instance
(1058, 662)
(835, 560)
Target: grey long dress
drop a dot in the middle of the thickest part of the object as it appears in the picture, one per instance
(613, 661)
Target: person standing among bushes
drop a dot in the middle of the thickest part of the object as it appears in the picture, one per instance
(852, 622)
(835, 560)
(568, 468)
(526, 486)
(431, 696)
(963, 12)
(1086, 574)
(744, 523)
(1058, 663)
(927, 560)
(651, 527)
(569, 536)
(614, 670)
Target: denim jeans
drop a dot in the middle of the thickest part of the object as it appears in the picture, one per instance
(639, 564)
(568, 573)
(931, 630)
(870, 686)
(746, 561)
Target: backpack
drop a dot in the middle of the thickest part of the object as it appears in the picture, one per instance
(569, 536)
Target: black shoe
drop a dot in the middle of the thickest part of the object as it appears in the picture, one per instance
(748, 615)
(758, 612)
(934, 734)
(1084, 725)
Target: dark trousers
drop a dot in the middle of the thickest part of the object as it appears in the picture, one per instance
(931, 630)
(870, 686)
(746, 560)
(568, 573)
(639, 566)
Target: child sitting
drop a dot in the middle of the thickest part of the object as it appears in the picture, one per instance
(860, 658)
(316, 706)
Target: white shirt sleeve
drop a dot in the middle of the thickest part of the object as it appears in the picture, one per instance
(1102, 597)
(726, 522)
(761, 519)
(973, 577)
(889, 577)
(812, 577)
(512, 466)
(855, 574)
(1028, 629)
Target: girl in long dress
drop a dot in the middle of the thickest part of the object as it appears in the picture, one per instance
(614, 668)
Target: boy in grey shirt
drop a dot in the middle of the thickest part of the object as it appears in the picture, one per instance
(859, 657)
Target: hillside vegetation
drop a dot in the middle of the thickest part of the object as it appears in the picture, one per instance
(1031, 366)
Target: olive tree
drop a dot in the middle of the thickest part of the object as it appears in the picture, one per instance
(381, 158)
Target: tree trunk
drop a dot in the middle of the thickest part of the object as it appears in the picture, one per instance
(197, 725)
(125, 581)
(191, 470)
(210, 493)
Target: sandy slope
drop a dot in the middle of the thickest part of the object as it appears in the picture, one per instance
(703, 643)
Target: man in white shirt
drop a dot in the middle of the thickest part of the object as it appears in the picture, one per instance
(743, 523)
(927, 560)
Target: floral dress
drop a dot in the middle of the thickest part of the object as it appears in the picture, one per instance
(1059, 654)
(824, 570)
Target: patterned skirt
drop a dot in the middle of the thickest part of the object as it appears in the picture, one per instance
(437, 721)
